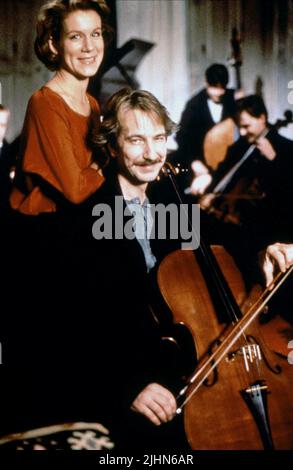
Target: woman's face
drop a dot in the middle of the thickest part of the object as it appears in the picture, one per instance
(82, 45)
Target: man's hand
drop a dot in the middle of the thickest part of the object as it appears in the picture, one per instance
(278, 255)
(238, 94)
(202, 178)
(266, 148)
(156, 403)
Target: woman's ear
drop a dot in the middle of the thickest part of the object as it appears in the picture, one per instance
(52, 46)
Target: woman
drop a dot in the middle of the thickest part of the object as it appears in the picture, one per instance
(56, 162)
(49, 353)
(56, 171)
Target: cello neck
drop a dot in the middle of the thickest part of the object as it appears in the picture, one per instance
(238, 77)
(236, 58)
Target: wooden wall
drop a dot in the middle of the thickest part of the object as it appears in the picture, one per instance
(266, 28)
(20, 71)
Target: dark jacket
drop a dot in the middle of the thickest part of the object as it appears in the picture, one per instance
(270, 218)
(128, 334)
(196, 121)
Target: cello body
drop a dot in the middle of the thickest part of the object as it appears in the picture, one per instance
(234, 408)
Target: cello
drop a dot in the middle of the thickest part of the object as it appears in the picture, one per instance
(239, 396)
(222, 202)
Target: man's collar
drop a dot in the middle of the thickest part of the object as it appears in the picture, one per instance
(136, 200)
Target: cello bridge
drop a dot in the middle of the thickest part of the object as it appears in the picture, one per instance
(256, 388)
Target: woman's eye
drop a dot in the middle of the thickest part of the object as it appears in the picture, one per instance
(97, 34)
(75, 36)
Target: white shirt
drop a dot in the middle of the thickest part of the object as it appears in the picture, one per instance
(216, 110)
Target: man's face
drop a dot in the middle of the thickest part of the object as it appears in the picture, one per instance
(4, 118)
(251, 127)
(215, 93)
(142, 145)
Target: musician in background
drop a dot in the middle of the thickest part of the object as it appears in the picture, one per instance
(270, 166)
(211, 105)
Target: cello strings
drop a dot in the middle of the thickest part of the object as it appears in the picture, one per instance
(252, 313)
(220, 287)
(262, 298)
(208, 258)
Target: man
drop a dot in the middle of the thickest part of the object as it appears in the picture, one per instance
(269, 163)
(276, 256)
(210, 106)
(134, 133)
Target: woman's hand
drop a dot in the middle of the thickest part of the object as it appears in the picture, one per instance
(156, 403)
(95, 166)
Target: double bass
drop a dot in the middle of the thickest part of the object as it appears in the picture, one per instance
(239, 396)
(219, 138)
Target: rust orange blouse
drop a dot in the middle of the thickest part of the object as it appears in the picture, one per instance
(54, 148)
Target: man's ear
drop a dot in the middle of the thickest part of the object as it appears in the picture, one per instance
(52, 46)
(7, 112)
(263, 118)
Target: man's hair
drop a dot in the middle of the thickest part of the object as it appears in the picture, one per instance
(109, 129)
(3, 108)
(253, 105)
(50, 22)
(217, 74)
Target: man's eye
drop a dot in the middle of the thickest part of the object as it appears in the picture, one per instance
(161, 138)
(136, 141)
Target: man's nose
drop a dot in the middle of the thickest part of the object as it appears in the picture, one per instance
(150, 151)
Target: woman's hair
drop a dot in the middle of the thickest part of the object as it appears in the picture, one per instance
(108, 130)
(50, 22)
